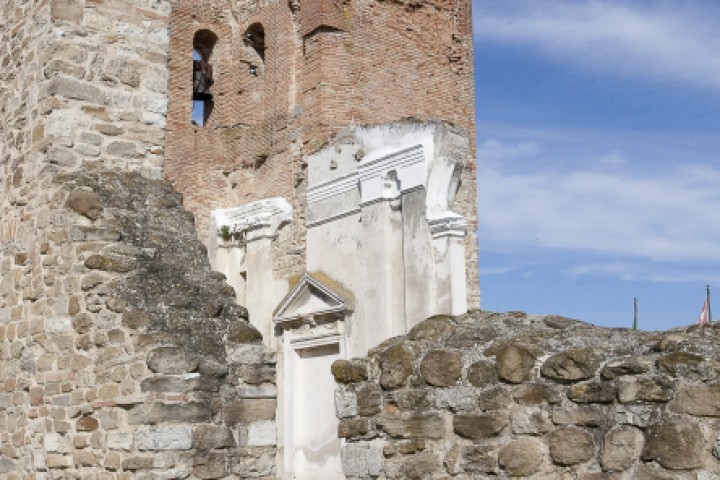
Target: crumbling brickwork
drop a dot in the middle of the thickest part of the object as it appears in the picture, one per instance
(327, 65)
(493, 395)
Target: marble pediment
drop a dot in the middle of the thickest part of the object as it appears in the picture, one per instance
(313, 296)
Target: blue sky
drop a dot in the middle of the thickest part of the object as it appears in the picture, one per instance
(598, 132)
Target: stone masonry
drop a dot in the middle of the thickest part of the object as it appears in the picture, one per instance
(491, 395)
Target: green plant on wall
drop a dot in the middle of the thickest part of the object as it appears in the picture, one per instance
(224, 233)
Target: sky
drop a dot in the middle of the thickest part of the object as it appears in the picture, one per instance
(598, 135)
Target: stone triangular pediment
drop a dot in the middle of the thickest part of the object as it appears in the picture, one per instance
(313, 295)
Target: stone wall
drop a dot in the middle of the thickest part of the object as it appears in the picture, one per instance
(135, 362)
(509, 395)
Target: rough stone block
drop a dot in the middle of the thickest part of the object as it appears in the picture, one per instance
(675, 443)
(621, 448)
(120, 440)
(158, 413)
(515, 363)
(441, 368)
(475, 427)
(172, 360)
(349, 371)
(530, 421)
(345, 403)
(77, 90)
(175, 437)
(362, 459)
(592, 392)
(353, 428)
(482, 373)
(208, 437)
(521, 458)
(87, 204)
(249, 410)
(68, 10)
(571, 365)
(480, 459)
(418, 425)
(641, 389)
(424, 465)
(698, 400)
(571, 445)
(262, 434)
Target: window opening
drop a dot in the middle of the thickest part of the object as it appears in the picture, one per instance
(254, 38)
(202, 98)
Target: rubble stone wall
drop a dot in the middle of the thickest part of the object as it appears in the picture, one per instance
(509, 395)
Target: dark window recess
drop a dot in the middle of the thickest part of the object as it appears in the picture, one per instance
(202, 80)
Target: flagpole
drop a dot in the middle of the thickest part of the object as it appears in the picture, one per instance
(707, 292)
(635, 315)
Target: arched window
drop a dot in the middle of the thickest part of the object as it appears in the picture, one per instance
(202, 98)
(254, 37)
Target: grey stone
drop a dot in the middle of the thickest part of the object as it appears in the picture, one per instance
(418, 425)
(87, 204)
(421, 466)
(621, 448)
(643, 389)
(441, 368)
(585, 415)
(262, 434)
(455, 398)
(480, 459)
(349, 371)
(624, 366)
(345, 403)
(369, 400)
(243, 332)
(475, 427)
(571, 445)
(482, 373)
(515, 364)
(77, 90)
(675, 443)
(159, 413)
(174, 437)
(7, 465)
(698, 400)
(536, 393)
(122, 149)
(677, 362)
(592, 392)
(571, 365)
(362, 460)
(396, 365)
(248, 410)
(210, 465)
(172, 360)
(530, 421)
(494, 398)
(208, 437)
(521, 457)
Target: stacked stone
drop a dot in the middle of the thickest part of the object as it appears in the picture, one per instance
(148, 368)
(509, 395)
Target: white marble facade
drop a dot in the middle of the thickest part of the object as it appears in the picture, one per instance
(384, 251)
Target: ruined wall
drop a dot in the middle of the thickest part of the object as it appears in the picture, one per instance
(508, 395)
(121, 354)
(327, 65)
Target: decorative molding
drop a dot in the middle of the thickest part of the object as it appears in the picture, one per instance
(450, 224)
(297, 306)
(256, 220)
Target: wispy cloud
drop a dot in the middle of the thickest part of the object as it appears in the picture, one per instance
(666, 215)
(661, 40)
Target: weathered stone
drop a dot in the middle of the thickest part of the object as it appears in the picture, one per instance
(530, 421)
(622, 448)
(138, 463)
(537, 393)
(419, 425)
(480, 459)
(109, 263)
(211, 465)
(349, 371)
(362, 460)
(369, 400)
(172, 360)
(7, 465)
(441, 368)
(494, 398)
(249, 410)
(346, 403)
(175, 437)
(158, 413)
(353, 427)
(431, 329)
(87, 424)
(482, 373)
(699, 400)
(421, 466)
(68, 10)
(208, 437)
(624, 366)
(87, 204)
(262, 434)
(585, 415)
(515, 364)
(242, 332)
(455, 399)
(475, 427)
(411, 398)
(77, 90)
(571, 445)
(521, 457)
(675, 443)
(676, 362)
(404, 447)
(571, 365)
(396, 365)
(592, 392)
(642, 389)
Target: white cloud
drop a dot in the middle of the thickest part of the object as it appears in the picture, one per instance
(676, 41)
(666, 215)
